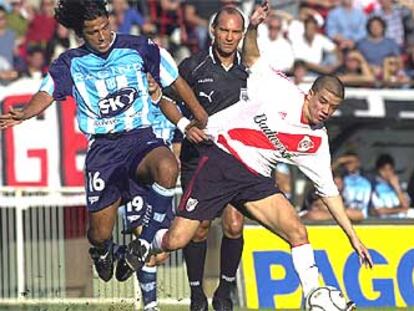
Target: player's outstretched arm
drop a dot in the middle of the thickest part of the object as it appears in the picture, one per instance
(337, 209)
(39, 102)
(250, 48)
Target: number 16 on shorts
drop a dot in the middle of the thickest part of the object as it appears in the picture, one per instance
(95, 182)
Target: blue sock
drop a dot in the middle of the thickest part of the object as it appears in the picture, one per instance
(147, 278)
(159, 200)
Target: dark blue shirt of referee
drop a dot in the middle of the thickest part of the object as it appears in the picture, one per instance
(216, 87)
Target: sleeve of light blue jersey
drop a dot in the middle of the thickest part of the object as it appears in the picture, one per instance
(58, 82)
(47, 85)
(168, 68)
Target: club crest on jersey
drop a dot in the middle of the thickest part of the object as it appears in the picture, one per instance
(305, 144)
(118, 102)
(244, 96)
(191, 204)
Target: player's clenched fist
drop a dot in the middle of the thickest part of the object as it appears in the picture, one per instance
(194, 134)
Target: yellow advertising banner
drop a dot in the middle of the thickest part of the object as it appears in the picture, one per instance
(271, 282)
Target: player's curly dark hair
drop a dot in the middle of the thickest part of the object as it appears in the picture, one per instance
(73, 13)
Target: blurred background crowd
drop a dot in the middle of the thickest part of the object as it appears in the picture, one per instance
(373, 194)
(368, 43)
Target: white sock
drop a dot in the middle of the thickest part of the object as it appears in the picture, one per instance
(305, 266)
(156, 243)
(152, 304)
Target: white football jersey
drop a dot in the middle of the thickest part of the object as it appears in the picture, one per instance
(267, 127)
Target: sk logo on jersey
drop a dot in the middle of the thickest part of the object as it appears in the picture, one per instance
(191, 204)
(117, 102)
(305, 144)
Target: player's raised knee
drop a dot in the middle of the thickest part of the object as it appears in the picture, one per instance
(167, 172)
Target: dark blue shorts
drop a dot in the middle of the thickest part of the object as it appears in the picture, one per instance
(217, 180)
(134, 209)
(111, 162)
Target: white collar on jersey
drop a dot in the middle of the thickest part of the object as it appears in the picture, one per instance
(216, 60)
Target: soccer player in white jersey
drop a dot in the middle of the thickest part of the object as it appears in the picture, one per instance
(276, 123)
(107, 76)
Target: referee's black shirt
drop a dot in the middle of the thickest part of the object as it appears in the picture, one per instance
(216, 88)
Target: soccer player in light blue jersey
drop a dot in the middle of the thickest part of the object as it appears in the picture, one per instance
(107, 76)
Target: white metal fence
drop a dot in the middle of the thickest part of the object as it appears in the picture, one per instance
(44, 253)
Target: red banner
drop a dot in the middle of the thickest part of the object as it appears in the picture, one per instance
(46, 151)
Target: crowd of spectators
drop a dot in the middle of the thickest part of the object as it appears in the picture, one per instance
(366, 42)
(377, 195)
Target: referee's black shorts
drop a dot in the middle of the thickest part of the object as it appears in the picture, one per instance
(216, 180)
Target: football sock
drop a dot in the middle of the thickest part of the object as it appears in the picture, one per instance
(159, 201)
(230, 255)
(147, 278)
(195, 257)
(305, 266)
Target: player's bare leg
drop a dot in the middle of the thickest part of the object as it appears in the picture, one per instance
(278, 215)
(101, 224)
(159, 168)
(230, 255)
(177, 236)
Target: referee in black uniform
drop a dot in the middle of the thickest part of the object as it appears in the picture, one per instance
(218, 79)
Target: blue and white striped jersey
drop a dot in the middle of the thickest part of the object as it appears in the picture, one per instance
(357, 192)
(111, 89)
(384, 195)
(161, 126)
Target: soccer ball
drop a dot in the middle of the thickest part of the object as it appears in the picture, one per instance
(326, 298)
